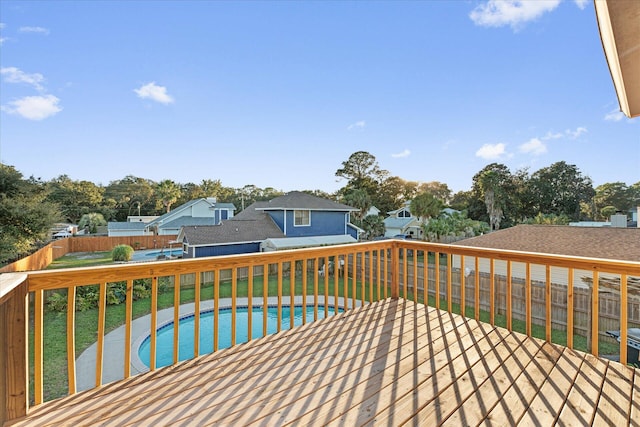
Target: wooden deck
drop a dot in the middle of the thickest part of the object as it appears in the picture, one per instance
(388, 363)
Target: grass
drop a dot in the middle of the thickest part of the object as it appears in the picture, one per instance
(81, 259)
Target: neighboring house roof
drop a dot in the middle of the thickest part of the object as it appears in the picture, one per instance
(249, 229)
(176, 212)
(128, 226)
(306, 242)
(184, 221)
(400, 223)
(596, 242)
(300, 200)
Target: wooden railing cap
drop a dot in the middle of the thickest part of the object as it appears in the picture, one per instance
(9, 281)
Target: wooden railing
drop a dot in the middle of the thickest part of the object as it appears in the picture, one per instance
(479, 283)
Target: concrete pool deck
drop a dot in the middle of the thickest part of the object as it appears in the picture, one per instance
(113, 353)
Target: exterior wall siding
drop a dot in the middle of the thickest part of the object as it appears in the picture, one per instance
(322, 224)
(243, 248)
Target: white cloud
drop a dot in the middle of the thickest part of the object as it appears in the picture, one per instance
(15, 75)
(581, 3)
(492, 151)
(515, 13)
(573, 134)
(357, 125)
(154, 92)
(404, 153)
(34, 107)
(38, 30)
(614, 116)
(533, 146)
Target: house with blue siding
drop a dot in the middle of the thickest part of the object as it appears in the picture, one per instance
(204, 211)
(296, 215)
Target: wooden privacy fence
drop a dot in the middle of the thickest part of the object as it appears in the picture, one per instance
(40, 259)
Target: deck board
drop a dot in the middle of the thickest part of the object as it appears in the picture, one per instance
(391, 362)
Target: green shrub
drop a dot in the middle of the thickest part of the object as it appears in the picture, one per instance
(122, 253)
(57, 302)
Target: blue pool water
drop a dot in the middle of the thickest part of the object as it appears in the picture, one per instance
(152, 255)
(164, 337)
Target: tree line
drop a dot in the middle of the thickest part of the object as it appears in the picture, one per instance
(498, 197)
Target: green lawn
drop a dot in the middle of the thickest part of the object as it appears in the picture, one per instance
(81, 259)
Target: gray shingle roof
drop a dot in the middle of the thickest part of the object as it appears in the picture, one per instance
(592, 242)
(253, 228)
(137, 225)
(300, 200)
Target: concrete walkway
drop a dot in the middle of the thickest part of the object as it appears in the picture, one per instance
(113, 357)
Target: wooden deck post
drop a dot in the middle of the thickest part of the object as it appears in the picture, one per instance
(14, 378)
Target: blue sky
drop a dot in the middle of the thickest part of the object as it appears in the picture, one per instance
(279, 94)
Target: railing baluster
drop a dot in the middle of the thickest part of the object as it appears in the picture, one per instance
(370, 258)
(39, 347)
(509, 291)
(528, 313)
(196, 314)
(378, 272)
(280, 264)
(335, 285)
(405, 272)
(570, 308)
(343, 270)
(128, 320)
(154, 322)
(234, 298)
(176, 320)
(249, 301)
(216, 309)
(414, 259)
(292, 293)
(623, 319)
(463, 299)
(325, 268)
(477, 288)
(304, 272)
(595, 314)
(102, 307)
(71, 344)
(492, 292)
(265, 298)
(547, 298)
(362, 276)
(437, 278)
(316, 279)
(449, 282)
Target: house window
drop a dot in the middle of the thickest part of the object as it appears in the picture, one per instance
(301, 218)
(404, 214)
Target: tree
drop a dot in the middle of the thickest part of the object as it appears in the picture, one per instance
(168, 192)
(439, 190)
(373, 225)
(363, 173)
(559, 189)
(492, 184)
(75, 198)
(392, 193)
(425, 206)
(26, 217)
(360, 200)
(131, 195)
(616, 195)
(91, 221)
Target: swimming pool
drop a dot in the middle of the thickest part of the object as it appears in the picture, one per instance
(153, 254)
(164, 337)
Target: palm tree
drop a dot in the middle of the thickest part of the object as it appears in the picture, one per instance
(168, 193)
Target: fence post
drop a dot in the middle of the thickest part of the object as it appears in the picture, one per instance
(14, 372)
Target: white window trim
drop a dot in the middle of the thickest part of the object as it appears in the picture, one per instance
(301, 225)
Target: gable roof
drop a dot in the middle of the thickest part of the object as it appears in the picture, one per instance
(175, 212)
(250, 228)
(300, 200)
(592, 242)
